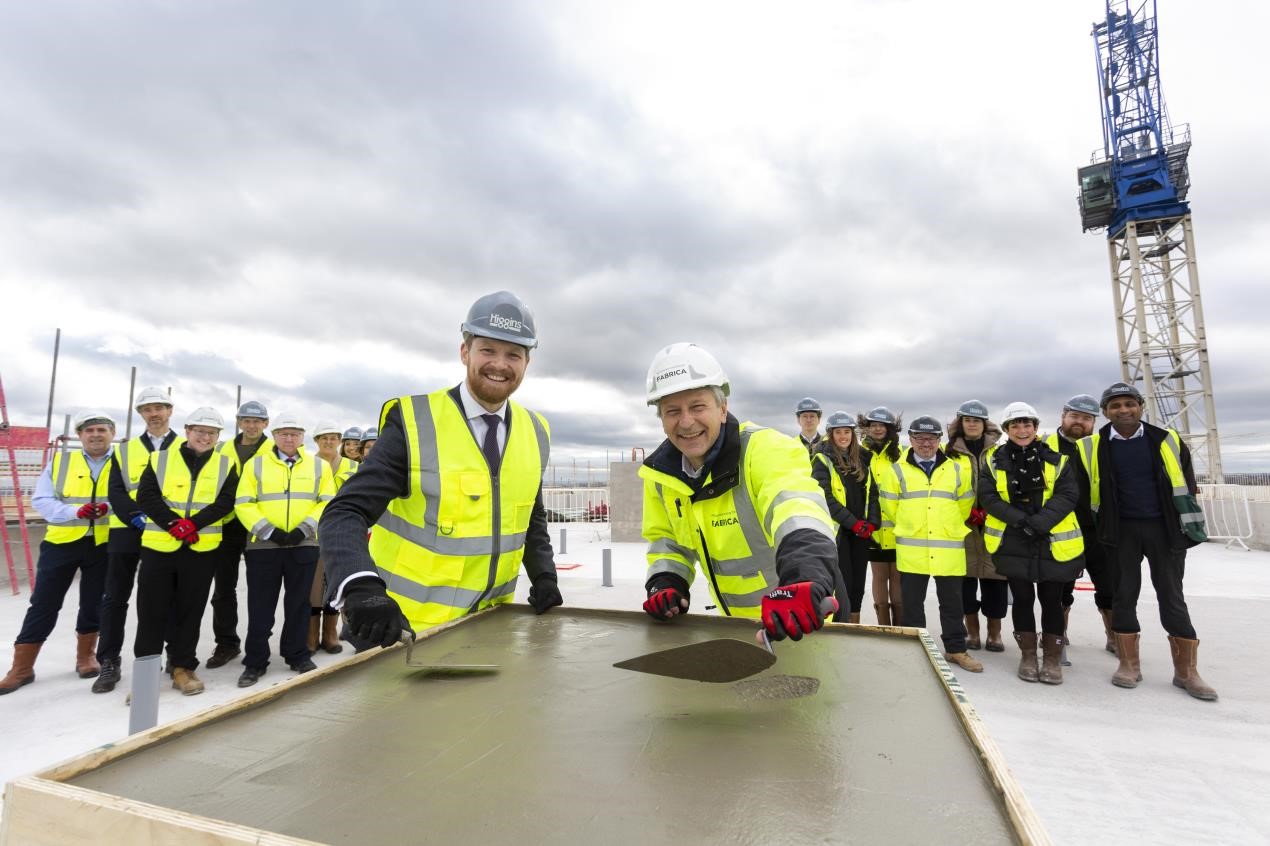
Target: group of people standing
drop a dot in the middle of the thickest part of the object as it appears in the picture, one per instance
(994, 511)
(174, 516)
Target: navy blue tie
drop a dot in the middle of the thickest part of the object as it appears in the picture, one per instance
(490, 447)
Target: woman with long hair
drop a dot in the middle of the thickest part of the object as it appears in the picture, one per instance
(842, 469)
(882, 441)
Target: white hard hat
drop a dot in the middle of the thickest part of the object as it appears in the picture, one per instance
(326, 429)
(1019, 411)
(286, 421)
(89, 417)
(152, 394)
(682, 367)
(205, 416)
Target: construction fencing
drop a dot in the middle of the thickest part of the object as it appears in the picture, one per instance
(1228, 512)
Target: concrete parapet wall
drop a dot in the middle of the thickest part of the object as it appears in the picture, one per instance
(626, 502)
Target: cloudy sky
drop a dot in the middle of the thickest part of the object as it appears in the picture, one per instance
(866, 202)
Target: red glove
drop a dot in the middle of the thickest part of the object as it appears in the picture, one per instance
(666, 603)
(183, 530)
(795, 610)
(87, 511)
(863, 529)
(977, 517)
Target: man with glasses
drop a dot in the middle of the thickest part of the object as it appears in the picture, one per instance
(928, 495)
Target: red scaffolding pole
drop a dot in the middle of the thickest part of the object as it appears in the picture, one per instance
(13, 438)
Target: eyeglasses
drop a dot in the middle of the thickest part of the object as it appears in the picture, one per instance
(924, 439)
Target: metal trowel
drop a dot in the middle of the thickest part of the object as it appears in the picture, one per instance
(408, 639)
(722, 660)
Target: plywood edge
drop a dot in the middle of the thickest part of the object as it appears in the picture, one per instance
(38, 812)
(108, 752)
(1023, 818)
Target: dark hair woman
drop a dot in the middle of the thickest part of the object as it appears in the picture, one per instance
(882, 442)
(972, 434)
(842, 469)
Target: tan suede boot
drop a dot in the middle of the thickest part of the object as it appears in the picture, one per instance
(185, 681)
(85, 658)
(1027, 659)
(993, 643)
(883, 611)
(315, 626)
(972, 632)
(853, 617)
(23, 670)
(1106, 627)
(963, 660)
(1185, 675)
(1051, 662)
(331, 633)
(1129, 673)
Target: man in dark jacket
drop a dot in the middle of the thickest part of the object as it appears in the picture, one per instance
(1143, 491)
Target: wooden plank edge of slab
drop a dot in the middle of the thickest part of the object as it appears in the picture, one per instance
(38, 812)
(1023, 817)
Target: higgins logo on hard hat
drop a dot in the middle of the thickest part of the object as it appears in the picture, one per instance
(497, 321)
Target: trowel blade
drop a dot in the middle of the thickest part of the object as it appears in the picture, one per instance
(722, 660)
(420, 664)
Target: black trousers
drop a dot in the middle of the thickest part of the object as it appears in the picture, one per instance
(1149, 538)
(54, 574)
(1101, 568)
(122, 557)
(225, 592)
(1023, 612)
(995, 592)
(166, 579)
(853, 564)
(287, 570)
(952, 622)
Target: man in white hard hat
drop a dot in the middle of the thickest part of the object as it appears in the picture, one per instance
(324, 620)
(71, 495)
(186, 493)
(253, 417)
(808, 413)
(281, 496)
(737, 500)
(421, 569)
(126, 524)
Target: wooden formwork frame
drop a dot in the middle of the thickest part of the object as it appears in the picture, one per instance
(42, 810)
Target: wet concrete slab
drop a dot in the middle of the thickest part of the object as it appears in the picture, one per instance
(849, 737)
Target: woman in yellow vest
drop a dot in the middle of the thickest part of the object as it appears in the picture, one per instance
(1032, 534)
(71, 495)
(186, 494)
(842, 468)
(882, 441)
(323, 619)
(351, 444)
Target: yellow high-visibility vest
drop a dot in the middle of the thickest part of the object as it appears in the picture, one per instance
(838, 489)
(1189, 512)
(879, 466)
(271, 493)
(186, 496)
(1066, 540)
(73, 484)
(929, 514)
(132, 458)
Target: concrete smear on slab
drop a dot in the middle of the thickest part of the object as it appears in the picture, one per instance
(559, 746)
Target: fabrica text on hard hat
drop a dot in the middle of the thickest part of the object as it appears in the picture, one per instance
(497, 321)
(678, 371)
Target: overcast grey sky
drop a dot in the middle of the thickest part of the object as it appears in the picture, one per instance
(867, 202)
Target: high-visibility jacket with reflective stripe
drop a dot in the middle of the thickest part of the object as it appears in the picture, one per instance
(132, 458)
(186, 496)
(929, 514)
(879, 466)
(286, 497)
(454, 544)
(1066, 540)
(343, 470)
(73, 484)
(838, 489)
(226, 448)
(1187, 505)
(735, 535)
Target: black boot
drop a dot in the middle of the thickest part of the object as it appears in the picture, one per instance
(108, 677)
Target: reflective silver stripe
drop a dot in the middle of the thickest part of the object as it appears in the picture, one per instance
(1074, 534)
(260, 526)
(1192, 517)
(748, 600)
(451, 597)
(544, 442)
(930, 543)
(63, 461)
(442, 545)
(970, 494)
(793, 524)
(242, 499)
(664, 545)
(209, 531)
(785, 496)
(994, 532)
(258, 467)
(888, 524)
(125, 470)
(76, 500)
(72, 524)
(669, 565)
(929, 494)
(762, 555)
(1171, 441)
(271, 497)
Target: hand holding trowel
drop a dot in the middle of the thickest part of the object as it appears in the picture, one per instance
(788, 611)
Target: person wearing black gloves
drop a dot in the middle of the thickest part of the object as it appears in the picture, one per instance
(841, 467)
(453, 491)
(738, 500)
(281, 497)
(1030, 492)
(186, 494)
(127, 521)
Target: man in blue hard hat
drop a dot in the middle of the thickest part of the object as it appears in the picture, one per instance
(808, 412)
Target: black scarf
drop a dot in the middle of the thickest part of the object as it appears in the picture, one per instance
(1027, 470)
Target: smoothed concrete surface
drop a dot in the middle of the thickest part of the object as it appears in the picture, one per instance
(560, 746)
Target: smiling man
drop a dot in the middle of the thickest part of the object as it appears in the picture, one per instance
(453, 490)
(735, 498)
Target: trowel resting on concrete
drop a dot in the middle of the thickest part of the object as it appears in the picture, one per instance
(722, 660)
(408, 639)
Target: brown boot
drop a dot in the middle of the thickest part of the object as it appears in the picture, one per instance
(185, 681)
(1185, 675)
(1027, 661)
(1051, 662)
(331, 633)
(1129, 673)
(853, 617)
(972, 632)
(1106, 627)
(993, 643)
(85, 659)
(963, 660)
(23, 670)
(883, 611)
(315, 626)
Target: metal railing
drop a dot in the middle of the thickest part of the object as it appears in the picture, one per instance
(1227, 513)
(576, 505)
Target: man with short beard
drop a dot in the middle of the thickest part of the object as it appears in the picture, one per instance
(447, 467)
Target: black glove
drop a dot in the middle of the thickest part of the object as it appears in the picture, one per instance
(545, 593)
(1037, 524)
(291, 538)
(1027, 530)
(372, 614)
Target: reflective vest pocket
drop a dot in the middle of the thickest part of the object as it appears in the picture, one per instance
(474, 485)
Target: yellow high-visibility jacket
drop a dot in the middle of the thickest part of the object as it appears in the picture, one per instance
(929, 514)
(186, 496)
(73, 484)
(131, 456)
(273, 496)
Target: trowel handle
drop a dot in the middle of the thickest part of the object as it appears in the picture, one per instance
(828, 606)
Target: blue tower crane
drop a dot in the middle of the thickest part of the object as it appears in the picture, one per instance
(1137, 190)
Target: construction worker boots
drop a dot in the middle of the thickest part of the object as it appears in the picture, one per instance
(185, 681)
(23, 670)
(963, 660)
(1129, 673)
(1051, 659)
(1185, 675)
(85, 658)
(972, 632)
(1027, 661)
